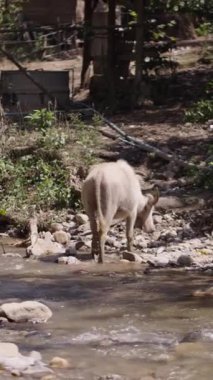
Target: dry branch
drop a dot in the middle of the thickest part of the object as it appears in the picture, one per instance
(141, 144)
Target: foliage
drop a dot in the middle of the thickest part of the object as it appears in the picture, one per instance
(42, 119)
(86, 138)
(54, 138)
(201, 112)
(42, 178)
(33, 180)
(203, 6)
(10, 12)
(204, 29)
(203, 177)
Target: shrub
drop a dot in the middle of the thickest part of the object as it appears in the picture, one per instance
(41, 119)
(201, 112)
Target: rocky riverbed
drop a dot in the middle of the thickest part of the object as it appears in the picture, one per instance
(141, 315)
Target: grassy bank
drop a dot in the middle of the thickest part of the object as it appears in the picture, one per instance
(41, 162)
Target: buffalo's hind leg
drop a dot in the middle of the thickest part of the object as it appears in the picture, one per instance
(102, 241)
(95, 249)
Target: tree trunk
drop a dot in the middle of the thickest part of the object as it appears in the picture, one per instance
(88, 10)
(139, 48)
(111, 53)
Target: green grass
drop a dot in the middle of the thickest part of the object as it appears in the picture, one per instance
(39, 159)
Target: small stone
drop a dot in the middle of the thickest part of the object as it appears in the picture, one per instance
(56, 227)
(81, 218)
(66, 226)
(142, 244)
(188, 124)
(160, 250)
(157, 219)
(111, 240)
(62, 260)
(70, 260)
(71, 250)
(159, 263)
(88, 243)
(3, 320)
(130, 256)
(124, 261)
(16, 373)
(72, 224)
(156, 235)
(70, 217)
(58, 362)
(83, 229)
(185, 261)
(187, 232)
(46, 235)
(111, 377)
(168, 217)
(61, 237)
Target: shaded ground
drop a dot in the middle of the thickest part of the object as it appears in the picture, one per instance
(163, 127)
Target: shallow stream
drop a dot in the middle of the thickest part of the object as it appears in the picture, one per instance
(113, 319)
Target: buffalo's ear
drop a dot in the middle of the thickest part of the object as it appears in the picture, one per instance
(153, 195)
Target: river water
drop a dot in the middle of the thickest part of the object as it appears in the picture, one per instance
(113, 319)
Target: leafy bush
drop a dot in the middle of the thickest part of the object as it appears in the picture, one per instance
(201, 112)
(41, 119)
(204, 29)
(203, 177)
(32, 180)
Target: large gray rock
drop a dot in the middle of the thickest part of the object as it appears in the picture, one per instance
(27, 311)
